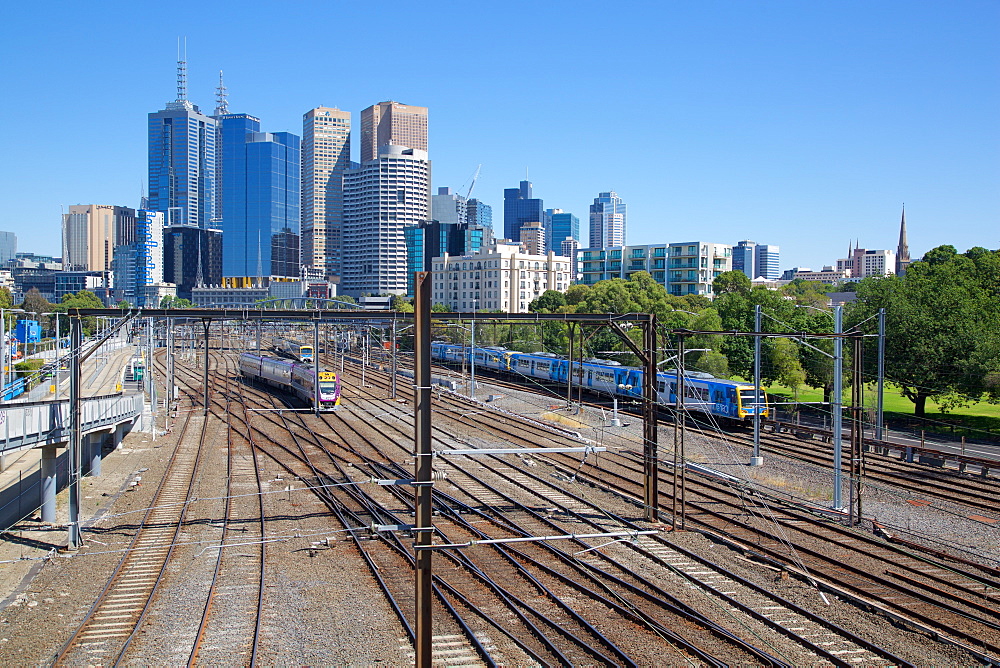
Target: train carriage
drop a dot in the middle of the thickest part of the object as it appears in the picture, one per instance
(302, 352)
(703, 393)
(293, 377)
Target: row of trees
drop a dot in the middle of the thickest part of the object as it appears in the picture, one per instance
(942, 326)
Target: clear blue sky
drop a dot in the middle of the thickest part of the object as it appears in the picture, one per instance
(804, 124)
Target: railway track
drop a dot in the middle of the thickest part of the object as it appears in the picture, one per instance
(978, 495)
(791, 621)
(575, 602)
(911, 584)
(115, 618)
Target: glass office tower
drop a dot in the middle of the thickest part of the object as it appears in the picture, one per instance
(182, 164)
(260, 202)
(519, 207)
(607, 221)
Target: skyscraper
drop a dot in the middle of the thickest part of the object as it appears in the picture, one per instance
(326, 155)
(192, 258)
(519, 207)
(182, 160)
(607, 221)
(559, 226)
(743, 258)
(90, 233)
(381, 198)
(8, 247)
(392, 123)
(767, 261)
(479, 213)
(260, 204)
(449, 207)
(903, 249)
(138, 264)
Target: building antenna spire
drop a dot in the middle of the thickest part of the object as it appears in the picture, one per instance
(221, 98)
(181, 71)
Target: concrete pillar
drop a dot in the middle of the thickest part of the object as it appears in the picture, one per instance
(49, 487)
(3, 462)
(96, 445)
(118, 435)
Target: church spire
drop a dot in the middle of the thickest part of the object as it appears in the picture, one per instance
(903, 250)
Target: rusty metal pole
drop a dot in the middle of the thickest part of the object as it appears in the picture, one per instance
(649, 424)
(569, 371)
(316, 395)
(681, 389)
(75, 539)
(857, 433)
(423, 465)
(206, 323)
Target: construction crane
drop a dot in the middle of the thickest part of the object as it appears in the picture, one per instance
(473, 185)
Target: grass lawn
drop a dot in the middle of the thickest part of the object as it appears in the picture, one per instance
(979, 420)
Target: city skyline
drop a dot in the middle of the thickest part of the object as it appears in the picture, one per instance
(751, 132)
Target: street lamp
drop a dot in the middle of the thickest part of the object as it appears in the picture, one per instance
(5, 353)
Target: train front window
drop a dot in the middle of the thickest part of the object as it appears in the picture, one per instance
(747, 398)
(327, 386)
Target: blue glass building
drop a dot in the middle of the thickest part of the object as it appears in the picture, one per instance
(743, 258)
(260, 200)
(479, 213)
(182, 164)
(519, 207)
(767, 261)
(560, 226)
(8, 247)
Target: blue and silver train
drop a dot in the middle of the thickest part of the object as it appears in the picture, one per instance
(294, 377)
(302, 352)
(703, 392)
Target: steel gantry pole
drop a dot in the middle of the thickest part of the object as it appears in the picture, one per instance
(857, 430)
(649, 424)
(316, 396)
(206, 323)
(75, 540)
(393, 344)
(472, 360)
(836, 404)
(170, 372)
(681, 391)
(756, 459)
(879, 416)
(423, 466)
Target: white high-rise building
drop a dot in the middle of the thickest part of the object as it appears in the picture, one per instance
(326, 155)
(382, 198)
(505, 279)
(607, 221)
(137, 266)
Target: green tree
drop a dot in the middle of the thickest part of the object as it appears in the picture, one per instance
(942, 326)
(576, 293)
(401, 304)
(35, 303)
(440, 308)
(173, 301)
(82, 299)
(124, 305)
(551, 301)
(731, 282)
(6, 298)
(787, 368)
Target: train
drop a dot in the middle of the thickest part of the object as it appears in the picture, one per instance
(299, 351)
(722, 398)
(294, 377)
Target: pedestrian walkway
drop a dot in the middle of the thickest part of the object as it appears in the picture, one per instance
(101, 375)
(20, 470)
